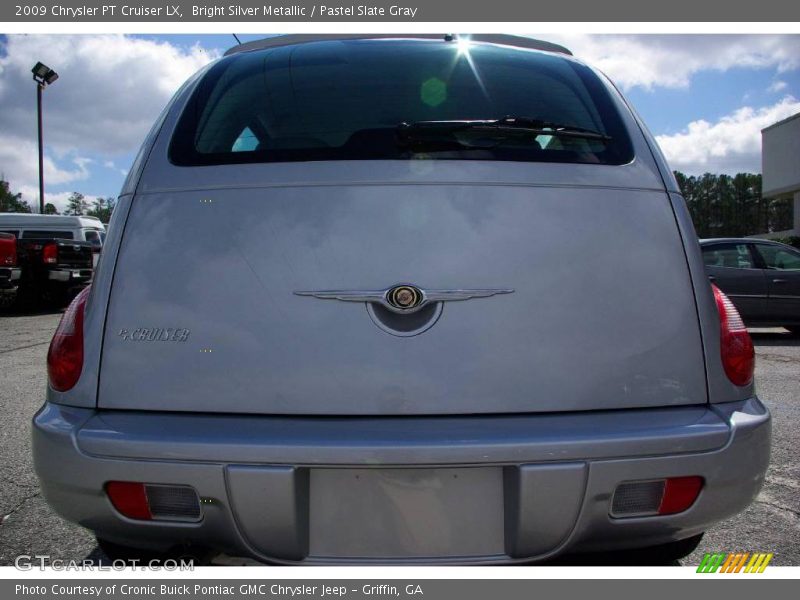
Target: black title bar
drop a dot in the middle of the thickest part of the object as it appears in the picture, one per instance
(439, 11)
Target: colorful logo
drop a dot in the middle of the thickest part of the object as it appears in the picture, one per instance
(735, 562)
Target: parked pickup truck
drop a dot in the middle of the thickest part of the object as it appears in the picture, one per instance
(53, 269)
(9, 271)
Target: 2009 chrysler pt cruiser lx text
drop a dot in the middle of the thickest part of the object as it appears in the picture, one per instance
(400, 299)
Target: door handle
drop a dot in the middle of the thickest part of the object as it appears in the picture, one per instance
(778, 281)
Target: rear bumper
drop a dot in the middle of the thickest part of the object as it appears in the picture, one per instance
(9, 279)
(257, 475)
(66, 275)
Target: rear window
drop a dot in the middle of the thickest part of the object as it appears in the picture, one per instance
(775, 257)
(34, 234)
(93, 236)
(735, 256)
(344, 100)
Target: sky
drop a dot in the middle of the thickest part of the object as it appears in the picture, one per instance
(705, 98)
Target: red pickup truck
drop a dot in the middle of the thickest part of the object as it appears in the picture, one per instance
(9, 271)
(52, 270)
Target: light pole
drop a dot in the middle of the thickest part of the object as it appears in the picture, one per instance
(43, 76)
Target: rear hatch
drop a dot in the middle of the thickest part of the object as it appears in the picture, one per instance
(74, 254)
(360, 165)
(203, 314)
(71, 254)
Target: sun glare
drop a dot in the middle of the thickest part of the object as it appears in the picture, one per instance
(462, 45)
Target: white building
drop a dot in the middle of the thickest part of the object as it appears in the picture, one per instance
(780, 165)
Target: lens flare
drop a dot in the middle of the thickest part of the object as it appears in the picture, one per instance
(463, 45)
(433, 91)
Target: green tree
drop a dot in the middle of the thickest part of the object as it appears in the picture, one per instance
(780, 214)
(76, 204)
(10, 202)
(724, 205)
(102, 209)
(50, 209)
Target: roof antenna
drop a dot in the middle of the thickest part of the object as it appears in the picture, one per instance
(238, 41)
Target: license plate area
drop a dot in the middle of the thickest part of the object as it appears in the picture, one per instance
(414, 513)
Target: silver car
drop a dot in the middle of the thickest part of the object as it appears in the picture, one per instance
(400, 299)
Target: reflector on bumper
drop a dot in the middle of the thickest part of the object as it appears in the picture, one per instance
(154, 501)
(655, 497)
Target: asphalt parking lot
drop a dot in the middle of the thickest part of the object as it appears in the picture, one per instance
(771, 524)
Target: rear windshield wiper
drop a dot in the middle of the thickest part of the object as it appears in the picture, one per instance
(505, 127)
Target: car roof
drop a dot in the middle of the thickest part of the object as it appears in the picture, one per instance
(501, 39)
(37, 220)
(738, 240)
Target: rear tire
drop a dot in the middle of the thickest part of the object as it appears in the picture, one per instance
(143, 556)
(57, 298)
(128, 554)
(649, 556)
(7, 301)
(670, 552)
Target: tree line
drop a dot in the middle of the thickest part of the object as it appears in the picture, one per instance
(720, 205)
(732, 206)
(76, 204)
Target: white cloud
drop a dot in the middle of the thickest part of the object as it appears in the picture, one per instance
(650, 61)
(110, 164)
(19, 161)
(777, 86)
(730, 145)
(109, 92)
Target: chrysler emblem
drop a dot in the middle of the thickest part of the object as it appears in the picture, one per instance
(404, 298)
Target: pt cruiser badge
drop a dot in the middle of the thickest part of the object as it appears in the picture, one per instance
(404, 298)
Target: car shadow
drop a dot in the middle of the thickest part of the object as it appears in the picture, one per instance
(97, 557)
(774, 337)
(595, 559)
(30, 310)
(607, 559)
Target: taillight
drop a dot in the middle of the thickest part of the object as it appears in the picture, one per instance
(738, 355)
(8, 250)
(679, 494)
(50, 254)
(65, 357)
(129, 498)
